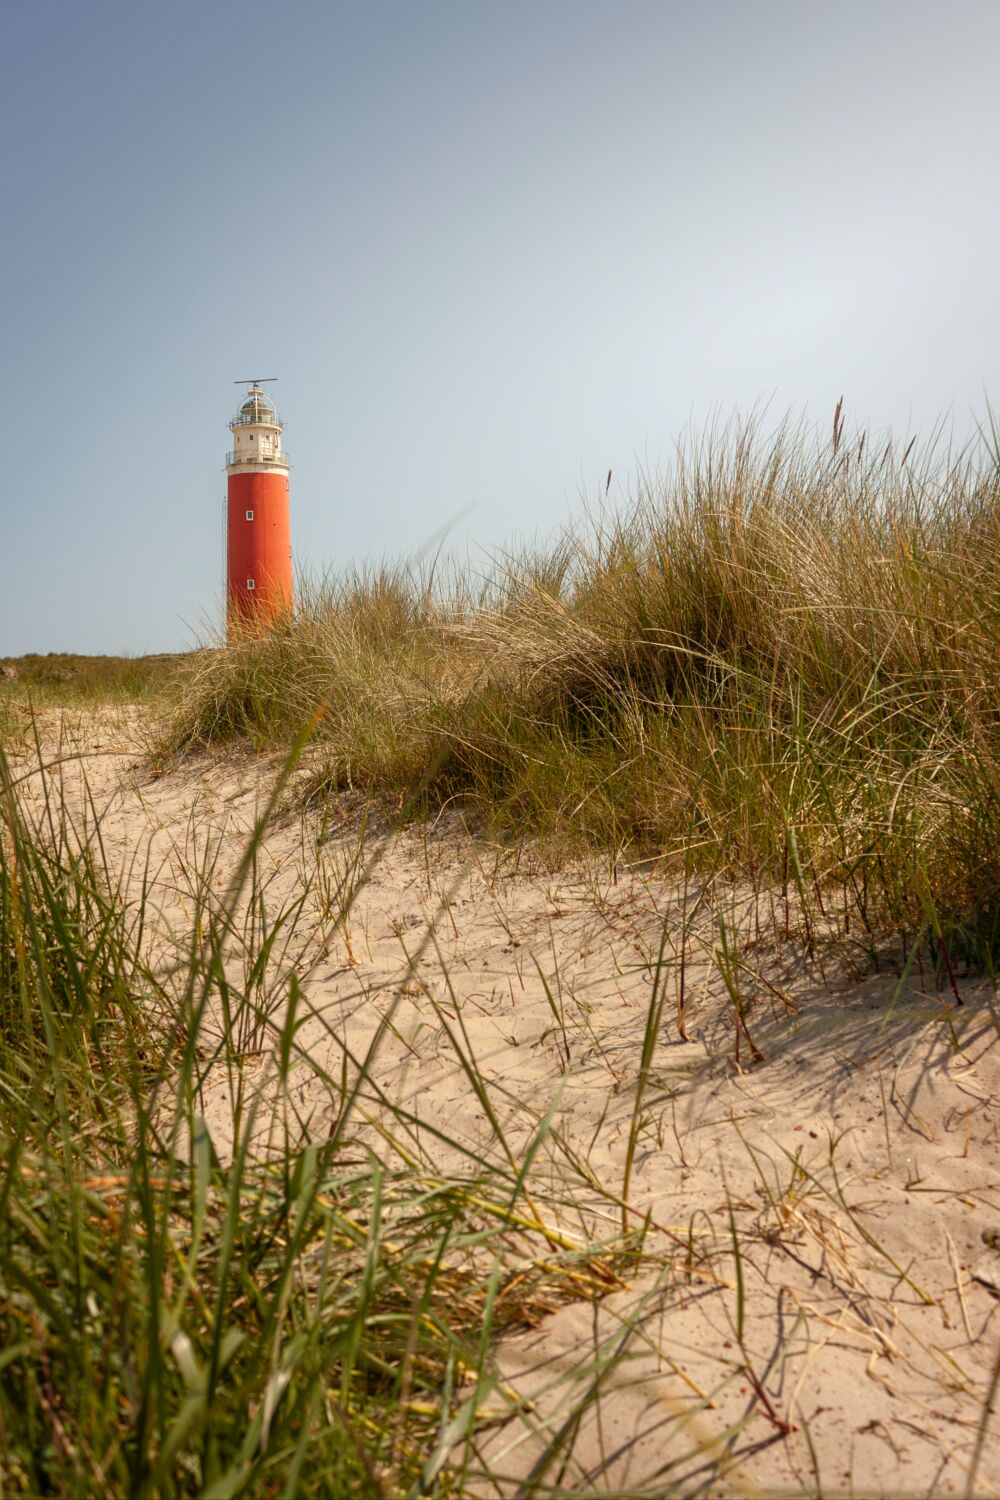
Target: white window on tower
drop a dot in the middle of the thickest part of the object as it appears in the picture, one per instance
(249, 515)
(250, 585)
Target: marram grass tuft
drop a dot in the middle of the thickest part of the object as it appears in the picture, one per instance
(780, 661)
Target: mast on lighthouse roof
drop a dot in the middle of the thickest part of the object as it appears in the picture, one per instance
(258, 522)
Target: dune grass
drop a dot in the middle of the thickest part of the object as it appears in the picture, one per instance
(780, 661)
(281, 1315)
(61, 677)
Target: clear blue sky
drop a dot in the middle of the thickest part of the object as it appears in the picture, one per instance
(491, 251)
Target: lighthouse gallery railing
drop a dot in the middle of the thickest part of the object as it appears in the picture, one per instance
(281, 460)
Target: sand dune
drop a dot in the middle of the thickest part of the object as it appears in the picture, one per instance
(817, 1306)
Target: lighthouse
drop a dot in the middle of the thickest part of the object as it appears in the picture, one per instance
(258, 525)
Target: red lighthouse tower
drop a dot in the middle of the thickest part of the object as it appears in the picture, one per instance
(258, 526)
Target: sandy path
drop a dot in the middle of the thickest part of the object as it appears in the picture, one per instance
(857, 1166)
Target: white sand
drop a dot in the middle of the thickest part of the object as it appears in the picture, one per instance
(859, 1162)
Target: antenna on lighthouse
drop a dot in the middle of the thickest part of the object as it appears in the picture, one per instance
(260, 380)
